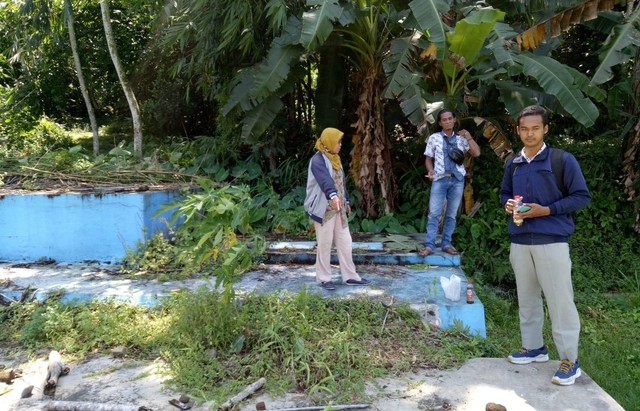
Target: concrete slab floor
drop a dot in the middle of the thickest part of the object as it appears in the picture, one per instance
(468, 388)
(420, 288)
(471, 387)
(484, 380)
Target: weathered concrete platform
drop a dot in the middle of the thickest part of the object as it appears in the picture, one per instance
(479, 381)
(420, 288)
(468, 388)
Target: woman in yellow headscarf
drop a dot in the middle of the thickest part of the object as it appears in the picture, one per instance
(327, 204)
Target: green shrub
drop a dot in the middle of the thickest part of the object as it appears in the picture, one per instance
(44, 137)
(603, 248)
(155, 257)
(219, 230)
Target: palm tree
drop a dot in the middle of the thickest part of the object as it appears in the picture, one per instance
(365, 42)
(425, 54)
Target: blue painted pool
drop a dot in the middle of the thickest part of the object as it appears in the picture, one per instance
(76, 227)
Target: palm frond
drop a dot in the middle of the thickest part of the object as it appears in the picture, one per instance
(613, 52)
(556, 80)
(427, 14)
(317, 24)
(257, 120)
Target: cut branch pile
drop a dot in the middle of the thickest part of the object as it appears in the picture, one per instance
(41, 178)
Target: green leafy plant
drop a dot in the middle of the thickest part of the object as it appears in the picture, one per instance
(45, 136)
(155, 257)
(218, 230)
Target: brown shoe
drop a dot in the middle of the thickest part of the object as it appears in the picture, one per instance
(450, 250)
(425, 252)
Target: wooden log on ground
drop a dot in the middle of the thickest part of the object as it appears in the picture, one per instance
(7, 376)
(88, 406)
(242, 395)
(55, 369)
(324, 407)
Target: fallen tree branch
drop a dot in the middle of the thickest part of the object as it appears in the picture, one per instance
(88, 406)
(242, 395)
(324, 407)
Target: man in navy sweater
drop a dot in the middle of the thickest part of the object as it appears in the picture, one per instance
(539, 251)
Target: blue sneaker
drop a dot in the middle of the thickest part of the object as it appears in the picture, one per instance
(328, 285)
(525, 356)
(567, 373)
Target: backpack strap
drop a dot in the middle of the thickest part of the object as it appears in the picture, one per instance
(557, 168)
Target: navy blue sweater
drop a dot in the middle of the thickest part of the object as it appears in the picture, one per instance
(536, 183)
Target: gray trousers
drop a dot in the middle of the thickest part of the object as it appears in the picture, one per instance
(546, 269)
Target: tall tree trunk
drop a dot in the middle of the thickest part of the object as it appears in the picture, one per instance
(83, 85)
(128, 91)
(371, 155)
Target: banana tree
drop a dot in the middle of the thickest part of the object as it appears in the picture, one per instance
(622, 46)
(426, 62)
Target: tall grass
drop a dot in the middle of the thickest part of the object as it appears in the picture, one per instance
(326, 348)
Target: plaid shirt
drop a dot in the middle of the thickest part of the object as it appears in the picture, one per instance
(435, 149)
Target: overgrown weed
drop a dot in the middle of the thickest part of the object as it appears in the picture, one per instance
(215, 346)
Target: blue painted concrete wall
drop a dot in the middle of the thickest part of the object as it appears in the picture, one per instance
(466, 315)
(79, 227)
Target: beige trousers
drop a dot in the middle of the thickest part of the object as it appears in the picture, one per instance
(326, 234)
(546, 269)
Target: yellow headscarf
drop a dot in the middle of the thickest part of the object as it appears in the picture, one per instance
(327, 143)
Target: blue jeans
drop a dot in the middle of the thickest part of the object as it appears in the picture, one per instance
(451, 189)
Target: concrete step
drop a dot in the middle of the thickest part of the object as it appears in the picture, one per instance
(303, 252)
